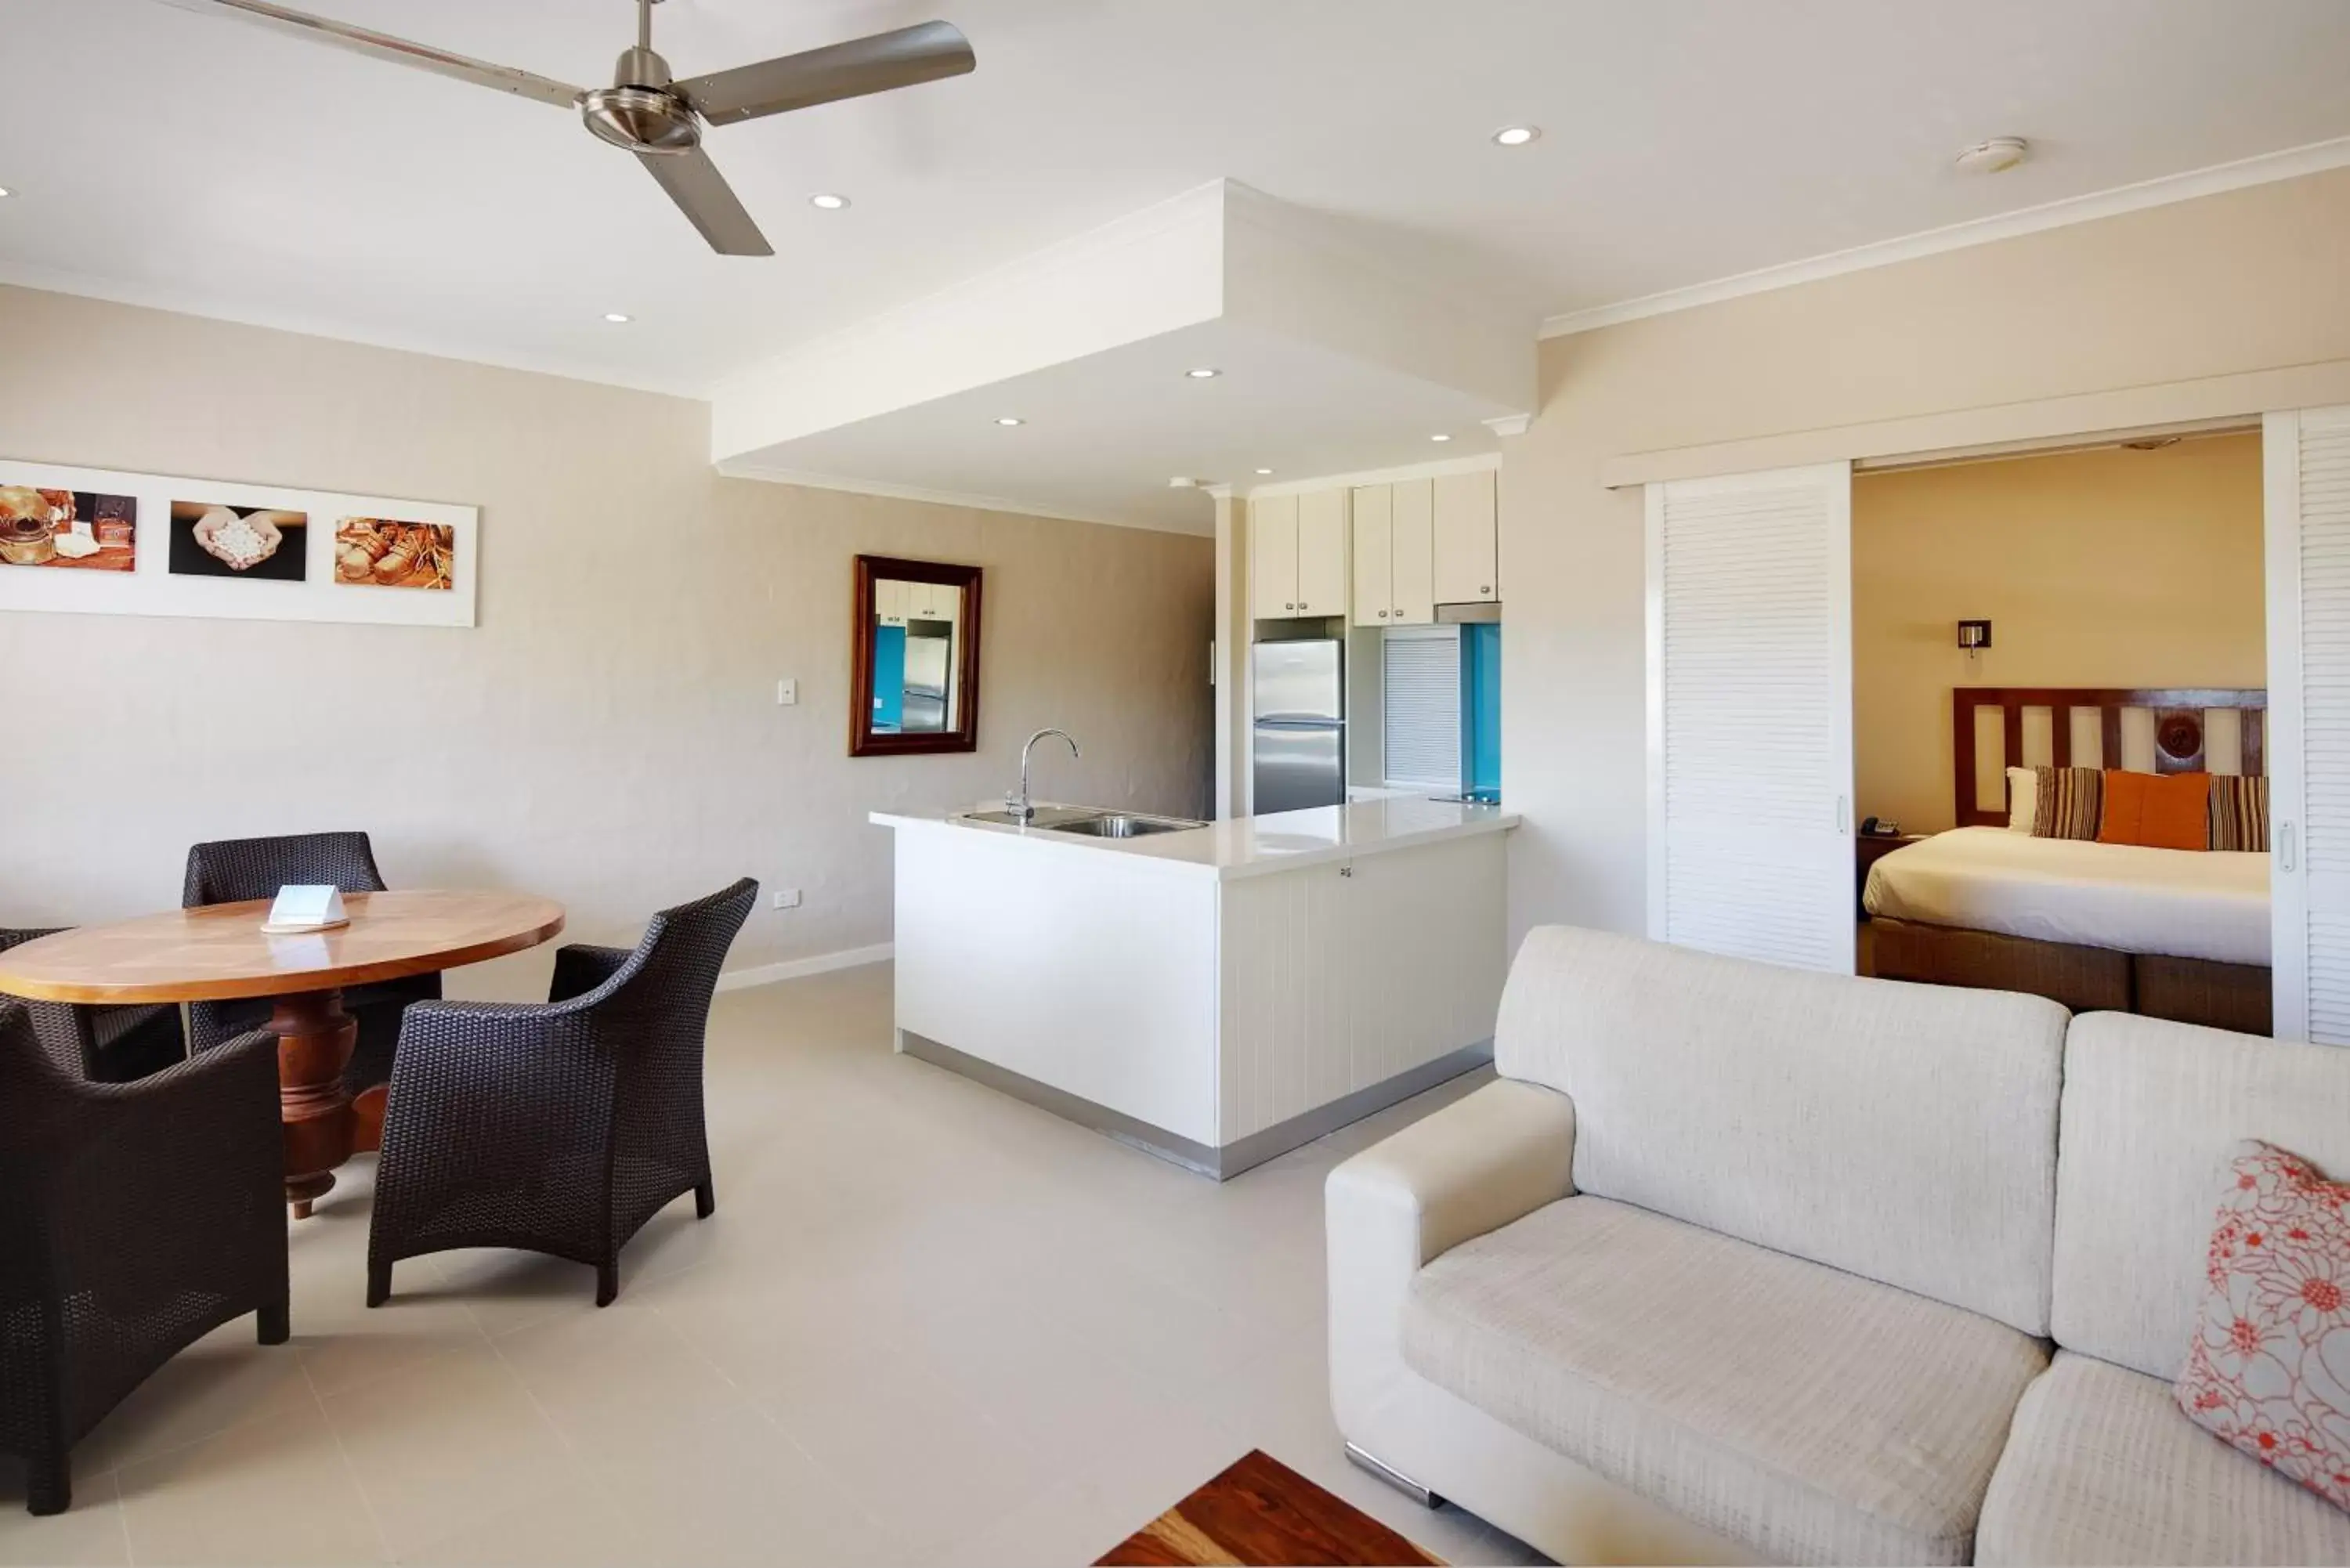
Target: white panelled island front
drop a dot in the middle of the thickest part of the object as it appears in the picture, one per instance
(1219, 993)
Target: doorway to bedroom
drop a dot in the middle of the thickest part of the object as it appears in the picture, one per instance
(2002, 610)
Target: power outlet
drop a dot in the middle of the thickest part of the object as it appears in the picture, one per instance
(788, 694)
(787, 898)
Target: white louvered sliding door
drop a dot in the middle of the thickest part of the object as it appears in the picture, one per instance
(2307, 486)
(1749, 715)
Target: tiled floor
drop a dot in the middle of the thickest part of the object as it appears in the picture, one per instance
(927, 1325)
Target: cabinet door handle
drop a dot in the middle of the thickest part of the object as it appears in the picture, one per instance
(1383, 615)
(1485, 588)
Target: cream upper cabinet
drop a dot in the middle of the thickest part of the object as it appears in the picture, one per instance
(1322, 553)
(1395, 554)
(1373, 508)
(1466, 556)
(1414, 602)
(931, 601)
(1273, 558)
(890, 604)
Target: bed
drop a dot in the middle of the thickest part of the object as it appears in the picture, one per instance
(2171, 933)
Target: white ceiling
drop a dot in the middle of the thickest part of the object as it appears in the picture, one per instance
(1106, 432)
(201, 164)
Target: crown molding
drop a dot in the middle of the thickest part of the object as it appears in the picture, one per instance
(765, 474)
(1474, 463)
(2265, 169)
(2236, 398)
(177, 302)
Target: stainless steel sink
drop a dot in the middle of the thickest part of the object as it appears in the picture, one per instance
(1087, 823)
(1117, 825)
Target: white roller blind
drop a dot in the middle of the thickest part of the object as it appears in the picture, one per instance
(2307, 483)
(1419, 717)
(1749, 715)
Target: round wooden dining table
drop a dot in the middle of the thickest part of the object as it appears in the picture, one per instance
(219, 953)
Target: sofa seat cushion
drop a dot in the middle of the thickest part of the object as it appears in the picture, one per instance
(1812, 1414)
(2102, 1468)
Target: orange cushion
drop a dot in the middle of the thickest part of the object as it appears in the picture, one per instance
(2160, 811)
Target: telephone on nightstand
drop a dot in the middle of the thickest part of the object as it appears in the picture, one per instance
(1879, 827)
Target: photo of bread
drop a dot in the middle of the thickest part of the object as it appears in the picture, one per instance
(380, 552)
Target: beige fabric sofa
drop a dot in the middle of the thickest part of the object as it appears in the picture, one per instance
(1737, 1263)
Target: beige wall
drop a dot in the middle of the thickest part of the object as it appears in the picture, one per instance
(2251, 280)
(2109, 567)
(609, 733)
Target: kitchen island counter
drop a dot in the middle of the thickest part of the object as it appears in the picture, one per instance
(1217, 994)
(1259, 845)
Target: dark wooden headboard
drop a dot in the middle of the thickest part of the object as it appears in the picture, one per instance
(2177, 729)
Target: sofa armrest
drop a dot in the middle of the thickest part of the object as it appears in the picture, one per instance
(1483, 1161)
(1494, 1156)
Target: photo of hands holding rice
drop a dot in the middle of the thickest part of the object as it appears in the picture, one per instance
(211, 540)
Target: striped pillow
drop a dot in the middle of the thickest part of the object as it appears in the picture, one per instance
(2070, 804)
(2239, 812)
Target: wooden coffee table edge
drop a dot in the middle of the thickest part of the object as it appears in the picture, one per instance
(1259, 1510)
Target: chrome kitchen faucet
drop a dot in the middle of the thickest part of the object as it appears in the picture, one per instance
(1017, 805)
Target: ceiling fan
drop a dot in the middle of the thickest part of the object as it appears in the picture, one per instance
(652, 114)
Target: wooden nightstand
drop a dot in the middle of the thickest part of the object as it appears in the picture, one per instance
(1868, 849)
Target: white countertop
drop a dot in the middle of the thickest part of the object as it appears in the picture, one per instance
(1254, 846)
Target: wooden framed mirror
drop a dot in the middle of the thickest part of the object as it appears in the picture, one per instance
(913, 684)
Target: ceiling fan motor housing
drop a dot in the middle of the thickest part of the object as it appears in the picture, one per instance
(638, 111)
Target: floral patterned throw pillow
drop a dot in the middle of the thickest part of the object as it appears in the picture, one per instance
(2269, 1369)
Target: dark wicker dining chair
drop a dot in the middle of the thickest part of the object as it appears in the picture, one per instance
(135, 1219)
(231, 870)
(559, 1127)
(113, 1044)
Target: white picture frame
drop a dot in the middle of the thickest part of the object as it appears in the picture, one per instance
(151, 588)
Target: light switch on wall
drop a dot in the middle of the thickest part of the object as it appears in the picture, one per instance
(788, 694)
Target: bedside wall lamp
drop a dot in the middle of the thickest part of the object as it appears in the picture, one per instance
(1974, 635)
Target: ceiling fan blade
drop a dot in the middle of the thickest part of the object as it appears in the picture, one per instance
(384, 47)
(702, 193)
(900, 59)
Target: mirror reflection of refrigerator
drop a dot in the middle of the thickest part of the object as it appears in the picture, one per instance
(1301, 724)
(926, 656)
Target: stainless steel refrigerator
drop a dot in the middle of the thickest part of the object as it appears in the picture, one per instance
(1301, 724)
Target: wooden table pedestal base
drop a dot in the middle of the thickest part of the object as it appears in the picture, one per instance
(315, 1037)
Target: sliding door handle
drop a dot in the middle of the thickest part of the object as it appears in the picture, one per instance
(2284, 846)
(1843, 814)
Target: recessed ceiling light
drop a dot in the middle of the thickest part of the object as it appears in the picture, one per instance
(1439, 437)
(1264, 470)
(618, 318)
(1204, 373)
(1996, 156)
(1008, 421)
(828, 202)
(1516, 135)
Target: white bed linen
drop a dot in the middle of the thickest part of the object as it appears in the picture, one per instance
(2179, 902)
